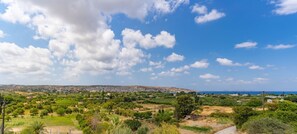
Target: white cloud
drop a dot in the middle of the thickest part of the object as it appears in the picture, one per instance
(209, 76)
(131, 38)
(281, 46)
(205, 16)
(200, 64)
(256, 67)
(227, 62)
(211, 16)
(168, 6)
(285, 7)
(174, 57)
(29, 60)
(79, 35)
(156, 64)
(175, 71)
(2, 34)
(258, 80)
(149, 69)
(246, 45)
(200, 9)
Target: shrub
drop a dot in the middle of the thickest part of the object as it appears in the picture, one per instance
(166, 129)
(133, 124)
(286, 116)
(241, 115)
(267, 126)
(287, 106)
(33, 111)
(254, 103)
(220, 114)
(142, 130)
(61, 111)
(43, 113)
(143, 115)
(68, 111)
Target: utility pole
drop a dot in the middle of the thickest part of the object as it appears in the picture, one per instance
(3, 117)
(263, 100)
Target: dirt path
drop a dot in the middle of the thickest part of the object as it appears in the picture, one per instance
(229, 130)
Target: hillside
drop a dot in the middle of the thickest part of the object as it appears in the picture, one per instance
(93, 88)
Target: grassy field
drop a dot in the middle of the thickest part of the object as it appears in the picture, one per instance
(197, 129)
(67, 120)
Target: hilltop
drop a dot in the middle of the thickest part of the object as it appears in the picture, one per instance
(92, 88)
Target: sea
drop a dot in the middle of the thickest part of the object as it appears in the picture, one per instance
(249, 92)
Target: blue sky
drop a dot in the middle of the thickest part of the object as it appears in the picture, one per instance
(202, 45)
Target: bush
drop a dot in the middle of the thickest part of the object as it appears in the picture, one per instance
(162, 116)
(242, 114)
(61, 111)
(287, 106)
(143, 115)
(142, 130)
(220, 114)
(133, 124)
(166, 129)
(286, 116)
(43, 113)
(254, 103)
(33, 111)
(68, 111)
(267, 126)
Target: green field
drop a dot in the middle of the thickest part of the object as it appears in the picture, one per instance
(67, 120)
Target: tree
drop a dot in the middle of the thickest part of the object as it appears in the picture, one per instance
(242, 114)
(185, 105)
(133, 124)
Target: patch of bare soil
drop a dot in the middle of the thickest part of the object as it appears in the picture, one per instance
(207, 110)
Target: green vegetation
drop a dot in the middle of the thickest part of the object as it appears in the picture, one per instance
(146, 112)
(267, 126)
(197, 129)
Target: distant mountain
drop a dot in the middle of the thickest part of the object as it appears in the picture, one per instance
(93, 88)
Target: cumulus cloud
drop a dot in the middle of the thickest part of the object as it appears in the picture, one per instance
(256, 67)
(174, 57)
(209, 76)
(156, 64)
(211, 16)
(227, 62)
(285, 7)
(149, 69)
(200, 9)
(29, 60)
(281, 46)
(175, 71)
(131, 38)
(200, 64)
(246, 45)
(205, 16)
(257, 80)
(79, 35)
